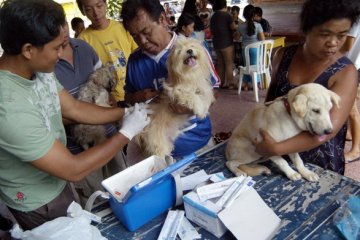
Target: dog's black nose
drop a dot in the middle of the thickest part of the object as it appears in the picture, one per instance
(328, 131)
(189, 51)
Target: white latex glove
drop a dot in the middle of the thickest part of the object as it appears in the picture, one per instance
(134, 121)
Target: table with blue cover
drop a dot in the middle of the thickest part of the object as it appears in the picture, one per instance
(306, 209)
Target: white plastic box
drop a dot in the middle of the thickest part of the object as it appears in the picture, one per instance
(205, 214)
(242, 218)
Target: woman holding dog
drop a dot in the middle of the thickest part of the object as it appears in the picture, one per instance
(325, 24)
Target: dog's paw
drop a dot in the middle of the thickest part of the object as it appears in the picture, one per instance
(239, 173)
(233, 167)
(311, 176)
(294, 176)
(267, 171)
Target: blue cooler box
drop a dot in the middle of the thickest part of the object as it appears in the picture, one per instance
(152, 194)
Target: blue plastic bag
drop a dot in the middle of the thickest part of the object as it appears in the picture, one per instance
(347, 219)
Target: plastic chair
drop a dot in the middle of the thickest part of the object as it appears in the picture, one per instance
(257, 66)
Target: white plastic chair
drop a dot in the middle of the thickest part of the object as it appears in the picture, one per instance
(262, 66)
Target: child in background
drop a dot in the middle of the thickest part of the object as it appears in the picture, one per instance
(250, 32)
(77, 25)
(185, 27)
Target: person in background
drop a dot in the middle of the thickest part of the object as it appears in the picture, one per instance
(77, 25)
(35, 165)
(238, 61)
(185, 25)
(267, 29)
(72, 70)
(250, 32)
(190, 8)
(169, 11)
(110, 40)
(172, 23)
(147, 70)
(222, 28)
(235, 11)
(205, 14)
(325, 24)
(352, 50)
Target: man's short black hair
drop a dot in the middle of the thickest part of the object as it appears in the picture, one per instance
(219, 4)
(258, 11)
(76, 21)
(235, 8)
(32, 21)
(81, 6)
(317, 12)
(130, 9)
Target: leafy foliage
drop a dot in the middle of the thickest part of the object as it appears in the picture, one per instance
(114, 8)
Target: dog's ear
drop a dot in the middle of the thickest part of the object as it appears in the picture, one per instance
(300, 104)
(335, 99)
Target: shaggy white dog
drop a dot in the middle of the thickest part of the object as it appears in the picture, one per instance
(96, 90)
(188, 85)
(305, 108)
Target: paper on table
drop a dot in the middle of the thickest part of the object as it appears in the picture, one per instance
(249, 217)
(191, 181)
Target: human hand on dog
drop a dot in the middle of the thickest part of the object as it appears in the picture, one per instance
(134, 120)
(267, 146)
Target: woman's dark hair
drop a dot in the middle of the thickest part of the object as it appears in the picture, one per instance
(249, 13)
(130, 8)
(32, 21)
(317, 12)
(184, 20)
(190, 8)
(219, 4)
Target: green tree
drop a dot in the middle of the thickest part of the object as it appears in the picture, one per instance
(114, 8)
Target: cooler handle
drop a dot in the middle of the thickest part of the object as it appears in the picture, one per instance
(90, 202)
(179, 189)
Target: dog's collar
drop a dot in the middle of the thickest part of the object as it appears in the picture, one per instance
(286, 104)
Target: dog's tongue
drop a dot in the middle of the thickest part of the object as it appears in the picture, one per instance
(190, 61)
(322, 138)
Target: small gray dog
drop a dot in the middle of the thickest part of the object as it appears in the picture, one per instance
(96, 90)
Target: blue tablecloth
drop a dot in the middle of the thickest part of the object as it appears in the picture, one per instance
(306, 209)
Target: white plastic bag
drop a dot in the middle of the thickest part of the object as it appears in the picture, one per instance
(70, 228)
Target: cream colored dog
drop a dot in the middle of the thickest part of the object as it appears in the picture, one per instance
(96, 90)
(306, 108)
(188, 85)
